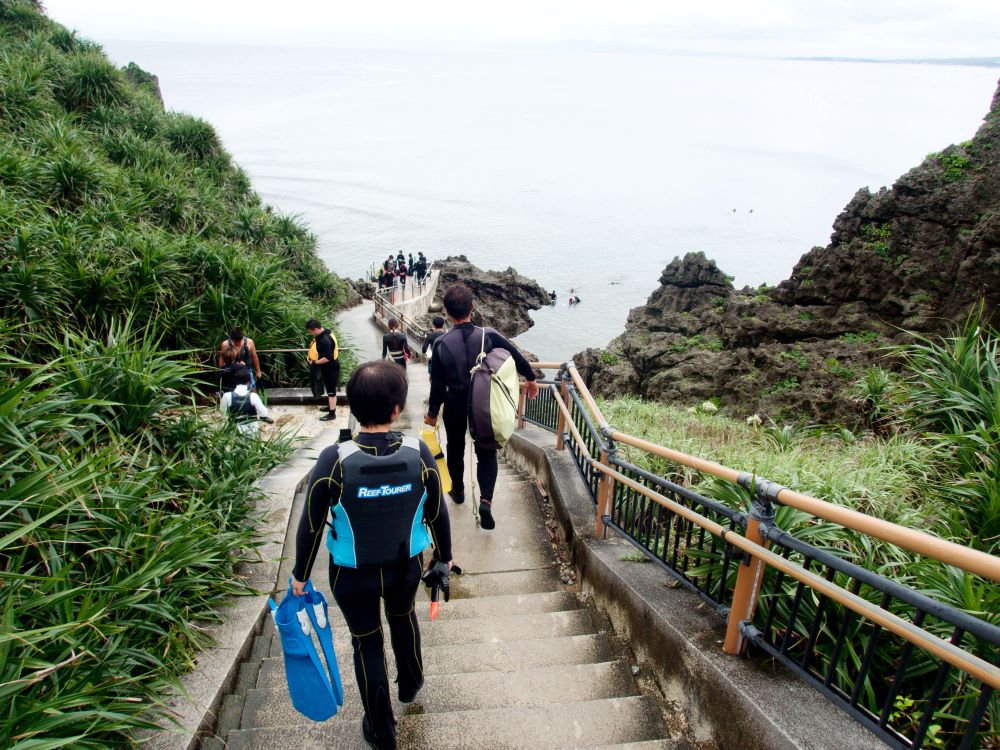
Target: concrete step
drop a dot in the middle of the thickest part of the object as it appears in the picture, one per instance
(468, 691)
(645, 745)
(501, 657)
(572, 725)
(489, 629)
(505, 581)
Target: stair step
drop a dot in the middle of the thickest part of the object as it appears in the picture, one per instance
(644, 745)
(573, 725)
(508, 628)
(502, 657)
(469, 691)
(505, 582)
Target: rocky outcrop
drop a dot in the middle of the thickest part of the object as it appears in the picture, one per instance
(503, 298)
(143, 80)
(914, 258)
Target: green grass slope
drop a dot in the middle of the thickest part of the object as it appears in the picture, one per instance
(129, 243)
(110, 205)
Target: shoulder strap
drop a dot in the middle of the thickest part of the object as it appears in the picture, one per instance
(347, 449)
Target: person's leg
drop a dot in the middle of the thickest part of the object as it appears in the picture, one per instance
(357, 593)
(455, 424)
(400, 590)
(330, 377)
(486, 474)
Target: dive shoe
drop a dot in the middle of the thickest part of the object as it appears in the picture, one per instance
(384, 740)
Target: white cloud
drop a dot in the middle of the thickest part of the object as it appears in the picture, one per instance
(888, 28)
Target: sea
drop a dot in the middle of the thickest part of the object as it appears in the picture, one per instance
(587, 170)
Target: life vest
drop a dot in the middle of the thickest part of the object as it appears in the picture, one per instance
(379, 519)
(240, 408)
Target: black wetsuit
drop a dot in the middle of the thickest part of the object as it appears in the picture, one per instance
(394, 344)
(428, 345)
(330, 370)
(450, 386)
(357, 591)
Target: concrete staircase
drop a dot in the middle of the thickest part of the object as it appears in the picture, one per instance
(515, 659)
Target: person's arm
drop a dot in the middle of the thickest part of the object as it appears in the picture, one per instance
(324, 350)
(435, 508)
(224, 404)
(323, 493)
(385, 345)
(253, 357)
(406, 345)
(258, 405)
(427, 342)
(439, 386)
(222, 348)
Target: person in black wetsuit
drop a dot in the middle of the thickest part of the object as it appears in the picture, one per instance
(450, 387)
(394, 344)
(246, 353)
(430, 338)
(328, 362)
(384, 494)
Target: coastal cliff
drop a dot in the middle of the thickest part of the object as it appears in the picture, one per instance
(918, 257)
(503, 298)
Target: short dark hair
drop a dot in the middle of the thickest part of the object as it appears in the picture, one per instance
(241, 375)
(375, 389)
(437, 321)
(458, 300)
(393, 324)
(312, 324)
(236, 334)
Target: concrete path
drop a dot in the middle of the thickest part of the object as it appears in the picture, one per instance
(515, 659)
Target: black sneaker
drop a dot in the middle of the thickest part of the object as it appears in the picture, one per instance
(384, 740)
(406, 695)
(457, 497)
(486, 516)
(328, 417)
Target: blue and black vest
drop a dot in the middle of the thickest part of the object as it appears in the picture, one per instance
(379, 519)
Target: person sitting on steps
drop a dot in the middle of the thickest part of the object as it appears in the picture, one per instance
(384, 495)
(450, 388)
(243, 406)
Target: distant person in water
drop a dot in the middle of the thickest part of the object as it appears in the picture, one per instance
(428, 345)
(246, 353)
(552, 295)
(394, 344)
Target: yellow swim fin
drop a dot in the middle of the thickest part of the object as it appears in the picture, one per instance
(430, 436)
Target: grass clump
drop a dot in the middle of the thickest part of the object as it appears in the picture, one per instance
(125, 510)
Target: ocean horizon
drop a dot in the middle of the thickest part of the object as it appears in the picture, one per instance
(585, 170)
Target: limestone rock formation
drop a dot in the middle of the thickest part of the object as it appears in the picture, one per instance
(917, 257)
(503, 298)
(143, 80)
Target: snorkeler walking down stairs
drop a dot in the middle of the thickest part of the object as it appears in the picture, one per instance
(514, 660)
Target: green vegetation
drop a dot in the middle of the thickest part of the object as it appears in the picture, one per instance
(796, 355)
(878, 238)
(859, 337)
(608, 357)
(931, 462)
(954, 166)
(129, 244)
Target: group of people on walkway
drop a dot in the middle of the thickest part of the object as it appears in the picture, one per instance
(396, 270)
(377, 502)
(239, 375)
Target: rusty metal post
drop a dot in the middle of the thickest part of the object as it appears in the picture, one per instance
(748, 579)
(604, 497)
(561, 423)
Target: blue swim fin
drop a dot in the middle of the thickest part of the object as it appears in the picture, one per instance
(313, 691)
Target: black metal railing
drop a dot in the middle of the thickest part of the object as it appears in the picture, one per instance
(905, 694)
(700, 561)
(543, 410)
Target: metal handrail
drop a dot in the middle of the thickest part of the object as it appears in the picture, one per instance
(970, 663)
(748, 535)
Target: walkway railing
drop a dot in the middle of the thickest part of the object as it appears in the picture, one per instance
(915, 671)
(386, 299)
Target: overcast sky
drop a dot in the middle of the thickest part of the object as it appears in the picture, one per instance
(865, 28)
